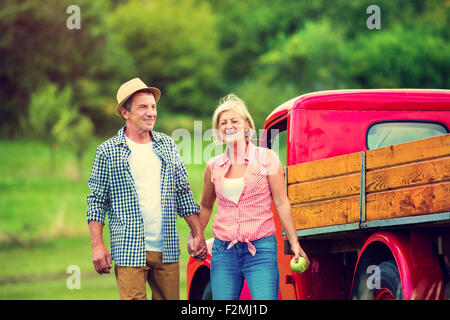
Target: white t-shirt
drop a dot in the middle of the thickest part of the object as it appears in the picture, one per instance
(145, 167)
(232, 188)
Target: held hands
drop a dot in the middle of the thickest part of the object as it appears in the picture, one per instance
(197, 247)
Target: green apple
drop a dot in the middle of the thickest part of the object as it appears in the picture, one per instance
(300, 266)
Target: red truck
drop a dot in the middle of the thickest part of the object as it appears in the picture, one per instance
(368, 177)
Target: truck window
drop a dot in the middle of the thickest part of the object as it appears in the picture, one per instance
(389, 133)
(279, 145)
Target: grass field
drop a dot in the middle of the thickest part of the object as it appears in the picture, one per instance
(43, 226)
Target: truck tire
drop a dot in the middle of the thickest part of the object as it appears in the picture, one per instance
(389, 286)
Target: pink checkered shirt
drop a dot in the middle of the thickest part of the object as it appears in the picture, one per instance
(251, 218)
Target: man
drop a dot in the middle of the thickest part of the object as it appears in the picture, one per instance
(138, 177)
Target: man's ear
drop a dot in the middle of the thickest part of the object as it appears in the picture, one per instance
(124, 113)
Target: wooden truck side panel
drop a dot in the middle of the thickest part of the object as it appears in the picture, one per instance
(402, 180)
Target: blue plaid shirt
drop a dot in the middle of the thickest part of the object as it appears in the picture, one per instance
(113, 191)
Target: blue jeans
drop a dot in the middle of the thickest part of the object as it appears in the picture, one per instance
(230, 267)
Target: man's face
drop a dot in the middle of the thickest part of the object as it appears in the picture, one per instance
(142, 114)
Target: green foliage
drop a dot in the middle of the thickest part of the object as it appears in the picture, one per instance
(250, 28)
(75, 131)
(309, 59)
(398, 58)
(198, 51)
(46, 107)
(37, 48)
(174, 46)
(56, 119)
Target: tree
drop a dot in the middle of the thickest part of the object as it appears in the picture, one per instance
(398, 58)
(175, 47)
(37, 48)
(74, 131)
(309, 59)
(55, 119)
(45, 111)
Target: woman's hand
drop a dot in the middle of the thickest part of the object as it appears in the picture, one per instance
(197, 247)
(298, 252)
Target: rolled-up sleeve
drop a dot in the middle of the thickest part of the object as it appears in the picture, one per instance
(98, 199)
(185, 199)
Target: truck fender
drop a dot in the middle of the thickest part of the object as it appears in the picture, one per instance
(197, 274)
(418, 267)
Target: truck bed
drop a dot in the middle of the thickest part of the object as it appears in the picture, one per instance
(403, 184)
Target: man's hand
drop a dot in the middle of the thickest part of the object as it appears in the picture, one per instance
(197, 247)
(100, 255)
(196, 243)
(101, 259)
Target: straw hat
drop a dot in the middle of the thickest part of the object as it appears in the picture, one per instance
(127, 89)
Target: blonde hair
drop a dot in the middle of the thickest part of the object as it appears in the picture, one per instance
(227, 103)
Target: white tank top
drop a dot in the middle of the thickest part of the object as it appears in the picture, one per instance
(232, 188)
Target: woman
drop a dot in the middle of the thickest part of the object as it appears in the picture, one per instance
(245, 179)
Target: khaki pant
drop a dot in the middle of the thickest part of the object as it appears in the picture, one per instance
(163, 278)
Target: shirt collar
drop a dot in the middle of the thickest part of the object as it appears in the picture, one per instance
(120, 137)
(249, 154)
